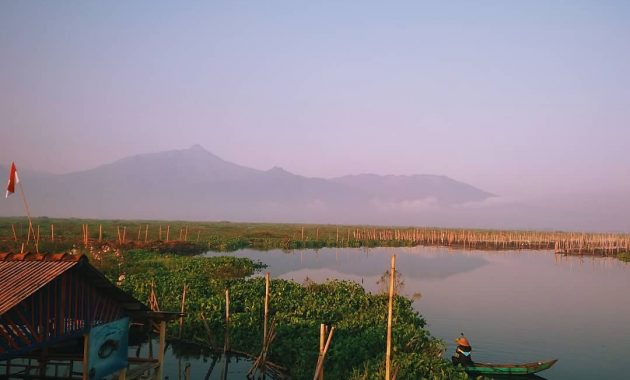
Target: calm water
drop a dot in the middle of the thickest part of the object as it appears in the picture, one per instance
(203, 366)
(514, 306)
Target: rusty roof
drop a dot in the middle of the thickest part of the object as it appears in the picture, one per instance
(22, 274)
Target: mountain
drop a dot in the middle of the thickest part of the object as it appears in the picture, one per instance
(196, 184)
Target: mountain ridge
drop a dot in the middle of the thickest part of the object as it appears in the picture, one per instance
(193, 182)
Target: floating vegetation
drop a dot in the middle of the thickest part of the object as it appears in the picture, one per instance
(360, 319)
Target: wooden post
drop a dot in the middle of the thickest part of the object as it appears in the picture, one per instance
(14, 234)
(160, 369)
(317, 234)
(100, 232)
(302, 233)
(124, 238)
(118, 234)
(160, 232)
(183, 308)
(139, 231)
(146, 233)
(389, 319)
(168, 230)
(266, 308)
(52, 232)
(86, 355)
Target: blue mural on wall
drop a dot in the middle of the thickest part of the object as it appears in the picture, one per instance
(108, 348)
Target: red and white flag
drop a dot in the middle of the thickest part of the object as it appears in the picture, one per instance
(13, 179)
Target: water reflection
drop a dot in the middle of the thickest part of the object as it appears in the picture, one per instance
(515, 306)
(185, 360)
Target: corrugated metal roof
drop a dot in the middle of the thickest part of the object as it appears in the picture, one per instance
(23, 274)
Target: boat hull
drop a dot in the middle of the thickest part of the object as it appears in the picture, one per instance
(509, 369)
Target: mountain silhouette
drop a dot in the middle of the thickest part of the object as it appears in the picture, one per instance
(194, 184)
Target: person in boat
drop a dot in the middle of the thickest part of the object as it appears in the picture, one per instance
(462, 352)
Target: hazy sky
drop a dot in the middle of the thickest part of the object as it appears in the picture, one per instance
(510, 96)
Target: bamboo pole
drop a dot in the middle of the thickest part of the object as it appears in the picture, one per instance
(389, 318)
(52, 232)
(208, 331)
(183, 308)
(320, 362)
(226, 343)
(160, 369)
(322, 343)
(227, 305)
(28, 214)
(187, 372)
(100, 232)
(266, 308)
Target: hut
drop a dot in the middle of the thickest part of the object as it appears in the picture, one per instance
(61, 318)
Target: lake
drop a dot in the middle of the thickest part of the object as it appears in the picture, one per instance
(202, 364)
(514, 306)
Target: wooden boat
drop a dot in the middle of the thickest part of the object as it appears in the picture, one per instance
(509, 369)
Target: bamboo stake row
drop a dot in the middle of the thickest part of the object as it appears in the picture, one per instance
(603, 244)
(561, 242)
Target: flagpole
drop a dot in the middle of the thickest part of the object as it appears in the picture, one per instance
(28, 214)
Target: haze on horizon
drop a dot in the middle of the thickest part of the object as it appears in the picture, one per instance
(514, 98)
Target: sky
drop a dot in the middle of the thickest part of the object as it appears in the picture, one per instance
(528, 97)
